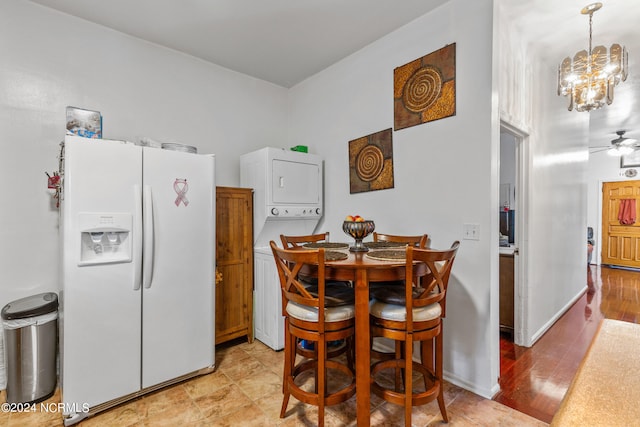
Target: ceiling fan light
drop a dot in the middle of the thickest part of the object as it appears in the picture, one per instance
(614, 152)
(625, 149)
(628, 141)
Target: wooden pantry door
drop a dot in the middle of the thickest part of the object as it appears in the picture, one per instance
(620, 242)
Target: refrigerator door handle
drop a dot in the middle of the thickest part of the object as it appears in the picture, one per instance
(137, 233)
(147, 251)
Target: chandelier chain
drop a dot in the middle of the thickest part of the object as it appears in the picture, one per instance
(590, 33)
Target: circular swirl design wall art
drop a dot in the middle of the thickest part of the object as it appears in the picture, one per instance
(369, 163)
(422, 89)
(425, 88)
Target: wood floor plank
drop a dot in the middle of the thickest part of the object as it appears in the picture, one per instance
(534, 380)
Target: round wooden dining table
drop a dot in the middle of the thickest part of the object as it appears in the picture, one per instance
(360, 269)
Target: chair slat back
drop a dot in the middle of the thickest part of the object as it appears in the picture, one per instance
(435, 282)
(420, 241)
(289, 262)
(296, 241)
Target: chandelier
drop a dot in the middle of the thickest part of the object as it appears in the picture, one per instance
(588, 80)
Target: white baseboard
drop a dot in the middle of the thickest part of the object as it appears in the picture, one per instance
(386, 345)
(536, 336)
(461, 382)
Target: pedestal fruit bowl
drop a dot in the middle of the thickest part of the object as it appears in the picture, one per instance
(358, 229)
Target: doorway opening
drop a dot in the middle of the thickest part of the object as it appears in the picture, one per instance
(513, 210)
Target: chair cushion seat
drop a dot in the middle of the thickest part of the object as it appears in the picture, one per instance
(310, 314)
(393, 294)
(313, 281)
(375, 285)
(399, 312)
(335, 295)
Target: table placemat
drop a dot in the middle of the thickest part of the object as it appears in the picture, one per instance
(326, 245)
(383, 245)
(388, 254)
(335, 256)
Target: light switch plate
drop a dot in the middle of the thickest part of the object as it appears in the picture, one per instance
(471, 231)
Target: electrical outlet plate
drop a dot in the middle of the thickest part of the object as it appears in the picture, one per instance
(471, 231)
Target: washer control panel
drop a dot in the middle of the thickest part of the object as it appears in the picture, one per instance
(295, 212)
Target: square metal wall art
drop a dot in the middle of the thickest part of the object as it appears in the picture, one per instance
(371, 162)
(425, 89)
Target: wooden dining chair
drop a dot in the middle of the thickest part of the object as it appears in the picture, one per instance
(297, 241)
(335, 288)
(409, 314)
(308, 316)
(420, 241)
(290, 242)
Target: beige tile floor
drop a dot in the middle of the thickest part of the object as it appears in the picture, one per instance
(245, 390)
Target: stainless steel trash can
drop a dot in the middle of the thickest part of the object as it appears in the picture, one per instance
(30, 341)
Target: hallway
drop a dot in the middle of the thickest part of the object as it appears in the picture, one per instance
(534, 380)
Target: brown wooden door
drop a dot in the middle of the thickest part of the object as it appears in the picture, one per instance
(506, 293)
(620, 242)
(234, 263)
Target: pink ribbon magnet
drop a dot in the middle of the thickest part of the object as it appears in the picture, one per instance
(181, 187)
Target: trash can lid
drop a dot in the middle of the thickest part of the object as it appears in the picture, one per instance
(34, 305)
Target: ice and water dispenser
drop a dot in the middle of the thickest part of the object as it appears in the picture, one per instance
(105, 238)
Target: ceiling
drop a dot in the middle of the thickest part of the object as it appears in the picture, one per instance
(280, 41)
(285, 41)
(557, 29)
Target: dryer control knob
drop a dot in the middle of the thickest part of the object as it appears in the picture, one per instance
(318, 211)
(274, 211)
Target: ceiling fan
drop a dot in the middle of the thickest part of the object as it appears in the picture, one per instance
(619, 146)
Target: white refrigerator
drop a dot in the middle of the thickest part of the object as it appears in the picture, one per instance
(138, 237)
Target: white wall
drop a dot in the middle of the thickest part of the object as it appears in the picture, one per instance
(515, 77)
(553, 253)
(557, 218)
(445, 171)
(51, 60)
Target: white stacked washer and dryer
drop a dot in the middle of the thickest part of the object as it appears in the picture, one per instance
(288, 199)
